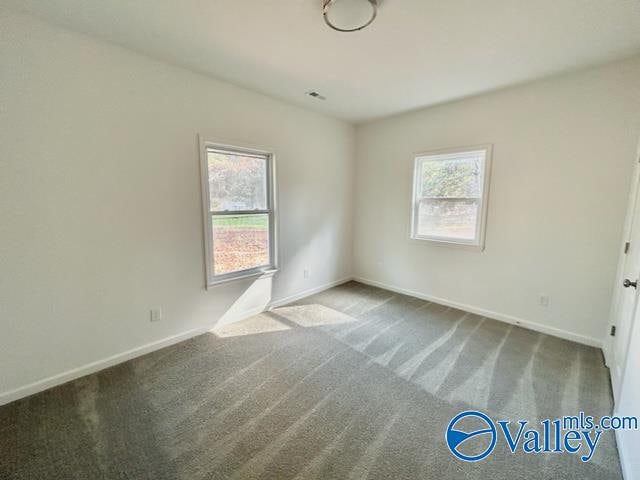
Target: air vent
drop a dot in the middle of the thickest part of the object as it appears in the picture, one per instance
(316, 95)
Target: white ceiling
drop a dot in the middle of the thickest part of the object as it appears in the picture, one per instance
(417, 53)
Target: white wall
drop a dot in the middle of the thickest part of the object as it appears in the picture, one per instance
(100, 199)
(563, 155)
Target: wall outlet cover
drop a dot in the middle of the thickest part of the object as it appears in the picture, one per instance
(156, 314)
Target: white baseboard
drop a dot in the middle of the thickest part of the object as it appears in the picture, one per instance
(75, 373)
(69, 375)
(64, 377)
(308, 292)
(556, 332)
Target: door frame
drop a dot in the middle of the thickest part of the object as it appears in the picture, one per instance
(607, 345)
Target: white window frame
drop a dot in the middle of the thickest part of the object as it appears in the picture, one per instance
(263, 270)
(478, 243)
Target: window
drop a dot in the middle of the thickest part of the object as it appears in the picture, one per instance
(238, 200)
(450, 192)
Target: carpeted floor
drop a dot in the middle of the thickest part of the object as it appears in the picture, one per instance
(352, 383)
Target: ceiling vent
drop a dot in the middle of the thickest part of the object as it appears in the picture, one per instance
(316, 95)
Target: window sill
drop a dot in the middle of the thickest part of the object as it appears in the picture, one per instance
(449, 243)
(265, 273)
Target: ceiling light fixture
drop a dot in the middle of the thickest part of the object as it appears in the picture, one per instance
(349, 15)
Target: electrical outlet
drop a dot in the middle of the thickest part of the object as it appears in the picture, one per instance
(156, 314)
(544, 300)
(306, 273)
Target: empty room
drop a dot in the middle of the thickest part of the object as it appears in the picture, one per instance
(319, 239)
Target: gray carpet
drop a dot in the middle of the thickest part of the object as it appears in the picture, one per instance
(353, 383)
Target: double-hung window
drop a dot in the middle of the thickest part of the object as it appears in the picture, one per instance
(450, 193)
(239, 212)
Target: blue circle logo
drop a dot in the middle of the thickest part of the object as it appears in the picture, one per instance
(486, 434)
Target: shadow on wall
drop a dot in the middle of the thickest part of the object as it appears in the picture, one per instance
(254, 296)
(253, 300)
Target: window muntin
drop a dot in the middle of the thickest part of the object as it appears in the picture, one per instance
(450, 191)
(240, 219)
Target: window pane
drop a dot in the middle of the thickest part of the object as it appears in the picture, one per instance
(448, 218)
(452, 177)
(237, 182)
(240, 242)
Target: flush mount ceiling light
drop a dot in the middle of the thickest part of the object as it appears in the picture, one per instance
(349, 15)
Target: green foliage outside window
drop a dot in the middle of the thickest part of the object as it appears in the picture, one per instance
(451, 178)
